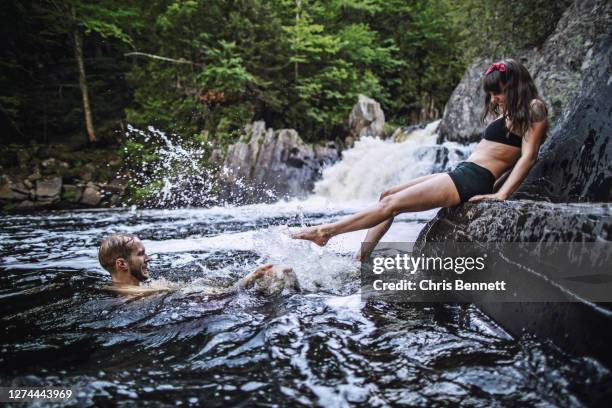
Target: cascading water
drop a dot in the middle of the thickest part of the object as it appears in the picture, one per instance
(200, 343)
(375, 164)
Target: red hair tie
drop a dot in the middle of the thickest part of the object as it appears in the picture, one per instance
(498, 66)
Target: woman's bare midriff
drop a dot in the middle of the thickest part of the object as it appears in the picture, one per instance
(495, 157)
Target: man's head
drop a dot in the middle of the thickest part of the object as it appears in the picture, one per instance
(123, 255)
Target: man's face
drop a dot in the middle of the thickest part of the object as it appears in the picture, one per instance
(138, 261)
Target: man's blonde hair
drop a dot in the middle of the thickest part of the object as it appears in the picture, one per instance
(113, 247)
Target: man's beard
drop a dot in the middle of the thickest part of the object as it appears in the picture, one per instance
(138, 274)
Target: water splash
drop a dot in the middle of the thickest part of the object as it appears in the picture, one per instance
(169, 171)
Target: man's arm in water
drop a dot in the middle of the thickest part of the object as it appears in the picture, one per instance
(132, 290)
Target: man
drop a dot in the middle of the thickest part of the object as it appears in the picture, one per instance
(124, 256)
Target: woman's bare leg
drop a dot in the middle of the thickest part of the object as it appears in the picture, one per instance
(437, 191)
(377, 232)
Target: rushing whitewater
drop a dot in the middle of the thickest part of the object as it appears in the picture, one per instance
(375, 164)
(201, 343)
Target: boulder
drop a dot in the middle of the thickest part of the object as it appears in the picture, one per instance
(557, 67)
(35, 176)
(116, 186)
(54, 164)
(25, 205)
(521, 221)
(20, 191)
(86, 173)
(366, 119)
(575, 163)
(11, 190)
(48, 188)
(461, 117)
(91, 196)
(349, 142)
(267, 164)
(6, 192)
(579, 327)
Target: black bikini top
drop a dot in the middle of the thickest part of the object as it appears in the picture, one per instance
(497, 132)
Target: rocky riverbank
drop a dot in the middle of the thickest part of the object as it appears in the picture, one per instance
(57, 177)
(263, 166)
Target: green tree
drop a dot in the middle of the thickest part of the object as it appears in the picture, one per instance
(80, 18)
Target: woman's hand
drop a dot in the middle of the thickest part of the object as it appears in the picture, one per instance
(386, 193)
(483, 197)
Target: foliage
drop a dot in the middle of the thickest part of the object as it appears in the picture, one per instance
(205, 68)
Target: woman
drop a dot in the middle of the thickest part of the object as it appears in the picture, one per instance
(511, 141)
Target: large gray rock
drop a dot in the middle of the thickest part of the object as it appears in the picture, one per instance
(521, 221)
(13, 191)
(558, 69)
(269, 164)
(91, 196)
(580, 327)
(461, 119)
(48, 189)
(6, 192)
(366, 119)
(575, 163)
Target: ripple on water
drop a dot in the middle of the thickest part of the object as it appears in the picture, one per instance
(199, 342)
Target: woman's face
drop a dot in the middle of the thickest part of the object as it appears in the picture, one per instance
(498, 98)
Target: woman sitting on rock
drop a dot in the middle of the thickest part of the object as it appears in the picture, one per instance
(509, 145)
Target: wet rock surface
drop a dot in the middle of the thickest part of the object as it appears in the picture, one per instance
(271, 164)
(570, 325)
(521, 221)
(575, 164)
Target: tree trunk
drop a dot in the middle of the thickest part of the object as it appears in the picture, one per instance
(78, 52)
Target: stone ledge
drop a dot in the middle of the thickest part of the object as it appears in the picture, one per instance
(582, 328)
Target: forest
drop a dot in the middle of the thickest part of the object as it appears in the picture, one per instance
(78, 72)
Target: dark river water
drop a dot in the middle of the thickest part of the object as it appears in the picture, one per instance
(200, 344)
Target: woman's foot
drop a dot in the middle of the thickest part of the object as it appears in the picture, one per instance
(314, 234)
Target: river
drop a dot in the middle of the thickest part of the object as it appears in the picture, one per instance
(201, 344)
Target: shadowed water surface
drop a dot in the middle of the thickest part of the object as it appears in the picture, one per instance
(200, 343)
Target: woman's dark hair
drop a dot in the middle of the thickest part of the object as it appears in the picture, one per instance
(519, 90)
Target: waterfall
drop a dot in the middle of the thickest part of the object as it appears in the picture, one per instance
(374, 164)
